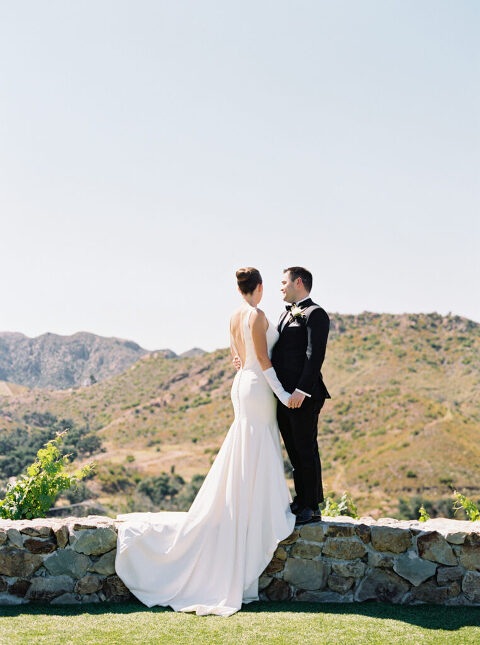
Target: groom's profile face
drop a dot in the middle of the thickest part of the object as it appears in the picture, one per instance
(288, 288)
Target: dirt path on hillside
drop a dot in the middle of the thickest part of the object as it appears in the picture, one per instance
(429, 426)
(338, 482)
(5, 390)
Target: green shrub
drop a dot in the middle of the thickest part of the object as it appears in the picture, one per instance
(165, 486)
(33, 494)
(423, 515)
(345, 506)
(472, 511)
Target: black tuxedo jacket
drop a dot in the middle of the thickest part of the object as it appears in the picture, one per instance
(299, 352)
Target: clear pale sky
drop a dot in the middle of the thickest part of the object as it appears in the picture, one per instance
(148, 149)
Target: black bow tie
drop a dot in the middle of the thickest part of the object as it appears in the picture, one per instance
(288, 307)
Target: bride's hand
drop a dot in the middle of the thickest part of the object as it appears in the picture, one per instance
(296, 400)
(237, 362)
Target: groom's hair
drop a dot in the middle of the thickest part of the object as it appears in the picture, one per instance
(301, 272)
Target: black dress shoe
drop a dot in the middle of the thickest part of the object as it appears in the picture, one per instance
(295, 507)
(307, 515)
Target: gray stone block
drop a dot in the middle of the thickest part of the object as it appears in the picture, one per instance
(344, 548)
(381, 560)
(429, 592)
(323, 596)
(66, 599)
(339, 584)
(471, 586)
(95, 541)
(15, 538)
(414, 569)
(36, 530)
(278, 590)
(264, 581)
(382, 584)
(306, 574)
(67, 561)
(61, 535)
(88, 584)
(114, 589)
(388, 538)
(105, 565)
(304, 550)
(434, 547)
(448, 574)
(18, 563)
(340, 530)
(351, 569)
(49, 588)
(314, 532)
(470, 557)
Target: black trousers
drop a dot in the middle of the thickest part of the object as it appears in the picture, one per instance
(298, 428)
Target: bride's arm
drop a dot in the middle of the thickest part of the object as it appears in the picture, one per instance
(259, 326)
(233, 351)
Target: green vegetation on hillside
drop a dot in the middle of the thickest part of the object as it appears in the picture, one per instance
(402, 428)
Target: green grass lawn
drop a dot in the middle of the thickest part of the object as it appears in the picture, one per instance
(302, 623)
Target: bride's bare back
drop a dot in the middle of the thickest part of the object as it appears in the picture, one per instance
(258, 324)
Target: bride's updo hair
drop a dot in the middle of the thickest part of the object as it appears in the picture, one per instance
(248, 279)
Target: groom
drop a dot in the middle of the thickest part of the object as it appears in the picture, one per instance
(297, 358)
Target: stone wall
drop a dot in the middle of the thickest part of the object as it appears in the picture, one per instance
(71, 560)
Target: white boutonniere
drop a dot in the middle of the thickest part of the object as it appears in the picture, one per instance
(296, 313)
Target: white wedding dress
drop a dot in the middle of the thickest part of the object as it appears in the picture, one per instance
(208, 560)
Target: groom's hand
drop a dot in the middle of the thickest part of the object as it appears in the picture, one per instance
(296, 400)
(237, 362)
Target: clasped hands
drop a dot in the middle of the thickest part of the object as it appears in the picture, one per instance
(296, 398)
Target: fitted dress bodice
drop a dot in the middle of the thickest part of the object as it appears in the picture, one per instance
(251, 361)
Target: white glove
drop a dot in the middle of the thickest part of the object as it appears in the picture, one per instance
(272, 379)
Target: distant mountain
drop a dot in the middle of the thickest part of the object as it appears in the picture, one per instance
(191, 353)
(59, 362)
(403, 421)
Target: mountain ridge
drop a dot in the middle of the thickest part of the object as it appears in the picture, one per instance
(404, 418)
(61, 361)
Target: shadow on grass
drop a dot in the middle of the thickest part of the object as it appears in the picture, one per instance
(426, 616)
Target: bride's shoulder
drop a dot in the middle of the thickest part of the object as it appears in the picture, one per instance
(258, 317)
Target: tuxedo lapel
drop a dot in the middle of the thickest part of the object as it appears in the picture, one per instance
(282, 318)
(303, 305)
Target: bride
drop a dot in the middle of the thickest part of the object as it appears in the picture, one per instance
(208, 560)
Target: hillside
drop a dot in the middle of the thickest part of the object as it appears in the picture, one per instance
(404, 419)
(59, 362)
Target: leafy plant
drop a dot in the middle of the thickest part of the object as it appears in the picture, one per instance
(472, 511)
(345, 506)
(424, 516)
(33, 494)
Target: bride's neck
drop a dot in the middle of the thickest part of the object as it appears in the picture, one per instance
(250, 300)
